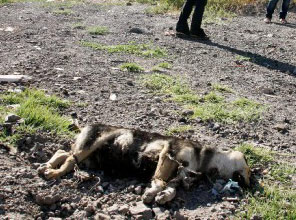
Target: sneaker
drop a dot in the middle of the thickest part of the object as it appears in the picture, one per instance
(200, 35)
(283, 21)
(267, 20)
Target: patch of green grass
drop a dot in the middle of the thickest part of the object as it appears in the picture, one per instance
(275, 202)
(131, 67)
(63, 11)
(39, 110)
(275, 196)
(242, 58)
(178, 130)
(78, 26)
(221, 88)
(62, 4)
(132, 48)
(208, 107)
(282, 172)
(98, 30)
(4, 1)
(165, 65)
(159, 68)
(256, 156)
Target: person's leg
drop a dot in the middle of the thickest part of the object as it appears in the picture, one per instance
(182, 25)
(270, 8)
(197, 19)
(284, 10)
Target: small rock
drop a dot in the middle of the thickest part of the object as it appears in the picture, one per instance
(12, 118)
(9, 29)
(256, 217)
(138, 190)
(101, 216)
(113, 97)
(179, 216)
(136, 31)
(113, 209)
(43, 199)
(268, 91)
(141, 210)
(129, 4)
(283, 128)
(123, 209)
(187, 112)
(161, 213)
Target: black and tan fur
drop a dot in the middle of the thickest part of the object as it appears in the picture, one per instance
(168, 160)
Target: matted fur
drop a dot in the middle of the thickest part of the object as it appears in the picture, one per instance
(168, 160)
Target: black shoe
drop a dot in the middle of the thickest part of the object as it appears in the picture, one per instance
(182, 30)
(182, 34)
(200, 35)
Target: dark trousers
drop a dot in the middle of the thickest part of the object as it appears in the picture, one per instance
(271, 6)
(182, 25)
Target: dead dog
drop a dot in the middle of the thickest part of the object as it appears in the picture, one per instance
(169, 160)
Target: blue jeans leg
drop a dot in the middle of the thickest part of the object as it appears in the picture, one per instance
(285, 7)
(270, 8)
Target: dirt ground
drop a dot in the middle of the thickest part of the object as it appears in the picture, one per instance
(45, 45)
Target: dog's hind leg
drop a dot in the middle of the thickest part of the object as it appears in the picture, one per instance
(86, 143)
(58, 158)
(164, 170)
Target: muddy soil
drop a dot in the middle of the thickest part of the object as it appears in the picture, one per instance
(45, 45)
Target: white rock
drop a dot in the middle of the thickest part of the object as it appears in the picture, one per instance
(113, 97)
(141, 210)
(59, 69)
(14, 78)
(9, 29)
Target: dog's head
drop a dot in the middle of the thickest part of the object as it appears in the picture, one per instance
(232, 165)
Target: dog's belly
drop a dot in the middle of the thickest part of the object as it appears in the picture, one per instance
(124, 164)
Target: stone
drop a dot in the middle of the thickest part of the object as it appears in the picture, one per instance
(113, 209)
(123, 209)
(43, 199)
(256, 217)
(179, 216)
(12, 118)
(136, 31)
(101, 216)
(113, 97)
(14, 78)
(138, 190)
(187, 112)
(141, 210)
(281, 127)
(161, 213)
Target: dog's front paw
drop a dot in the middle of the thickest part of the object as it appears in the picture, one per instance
(51, 174)
(43, 168)
(165, 196)
(148, 196)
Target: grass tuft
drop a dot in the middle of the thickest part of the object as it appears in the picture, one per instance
(178, 130)
(98, 30)
(63, 12)
(131, 67)
(39, 110)
(132, 48)
(221, 88)
(256, 156)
